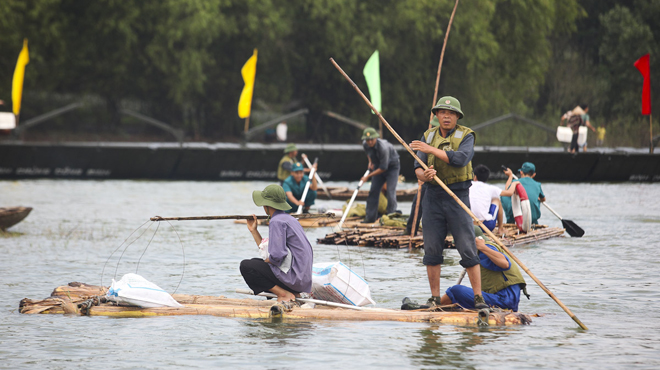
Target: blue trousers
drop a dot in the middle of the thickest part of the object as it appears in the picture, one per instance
(506, 298)
(442, 214)
(309, 201)
(391, 177)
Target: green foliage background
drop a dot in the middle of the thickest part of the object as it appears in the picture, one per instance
(179, 61)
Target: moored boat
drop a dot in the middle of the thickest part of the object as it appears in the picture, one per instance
(10, 216)
(83, 299)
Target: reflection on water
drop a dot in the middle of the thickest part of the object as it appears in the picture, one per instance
(606, 278)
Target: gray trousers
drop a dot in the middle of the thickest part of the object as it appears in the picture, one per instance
(391, 177)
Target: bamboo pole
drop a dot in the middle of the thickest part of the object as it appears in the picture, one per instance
(247, 123)
(451, 193)
(442, 56)
(237, 217)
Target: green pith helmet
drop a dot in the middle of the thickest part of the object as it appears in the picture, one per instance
(435, 122)
(449, 103)
(290, 148)
(370, 133)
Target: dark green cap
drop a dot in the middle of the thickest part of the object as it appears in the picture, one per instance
(370, 133)
(273, 196)
(290, 148)
(449, 103)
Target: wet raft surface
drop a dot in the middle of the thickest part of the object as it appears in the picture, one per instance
(82, 299)
(375, 235)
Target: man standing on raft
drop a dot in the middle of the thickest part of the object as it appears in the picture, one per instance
(448, 150)
(286, 269)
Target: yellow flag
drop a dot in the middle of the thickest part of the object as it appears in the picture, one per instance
(249, 71)
(19, 74)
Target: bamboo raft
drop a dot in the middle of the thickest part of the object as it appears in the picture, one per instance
(345, 193)
(83, 299)
(374, 235)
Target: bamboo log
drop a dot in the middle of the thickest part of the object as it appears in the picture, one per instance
(237, 217)
(252, 308)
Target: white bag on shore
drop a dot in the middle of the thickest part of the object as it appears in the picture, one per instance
(135, 290)
(334, 282)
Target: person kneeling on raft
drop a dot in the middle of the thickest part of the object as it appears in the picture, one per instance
(294, 187)
(501, 280)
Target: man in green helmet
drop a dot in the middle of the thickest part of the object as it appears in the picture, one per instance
(384, 169)
(447, 150)
(287, 161)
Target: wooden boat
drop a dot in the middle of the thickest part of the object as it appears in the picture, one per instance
(344, 193)
(375, 235)
(10, 216)
(83, 299)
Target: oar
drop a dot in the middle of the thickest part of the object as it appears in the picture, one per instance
(460, 203)
(318, 178)
(348, 207)
(236, 217)
(315, 301)
(304, 194)
(571, 227)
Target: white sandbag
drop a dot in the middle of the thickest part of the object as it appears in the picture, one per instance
(582, 135)
(564, 134)
(335, 282)
(135, 290)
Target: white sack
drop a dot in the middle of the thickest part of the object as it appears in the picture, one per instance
(135, 290)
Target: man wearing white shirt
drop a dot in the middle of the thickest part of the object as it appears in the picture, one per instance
(485, 199)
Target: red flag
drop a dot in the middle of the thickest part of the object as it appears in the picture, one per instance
(643, 65)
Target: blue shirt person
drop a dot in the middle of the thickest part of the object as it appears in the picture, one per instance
(294, 186)
(534, 193)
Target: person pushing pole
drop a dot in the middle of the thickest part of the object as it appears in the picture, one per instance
(462, 205)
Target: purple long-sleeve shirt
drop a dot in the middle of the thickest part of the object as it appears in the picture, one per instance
(285, 232)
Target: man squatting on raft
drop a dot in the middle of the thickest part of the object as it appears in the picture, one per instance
(287, 269)
(448, 155)
(501, 279)
(384, 166)
(294, 187)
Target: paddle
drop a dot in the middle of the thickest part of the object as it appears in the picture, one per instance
(460, 203)
(304, 194)
(318, 178)
(348, 207)
(571, 227)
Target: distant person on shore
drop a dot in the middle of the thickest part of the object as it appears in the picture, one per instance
(294, 186)
(501, 280)
(287, 161)
(384, 169)
(533, 190)
(601, 135)
(485, 198)
(285, 268)
(574, 119)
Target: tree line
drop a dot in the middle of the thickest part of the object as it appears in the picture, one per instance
(179, 61)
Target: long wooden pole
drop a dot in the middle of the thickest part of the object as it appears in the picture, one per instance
(451, 193)
(442, 56)
(413, 229)
(237, 217)
(651, 131)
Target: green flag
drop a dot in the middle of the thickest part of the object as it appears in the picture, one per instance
(372, 75)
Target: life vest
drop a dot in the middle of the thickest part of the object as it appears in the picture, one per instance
(448, 174)
(522, 211)
(494, 281)
(282, 174)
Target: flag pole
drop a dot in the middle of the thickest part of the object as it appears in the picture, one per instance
(651, 132)
(247, 123)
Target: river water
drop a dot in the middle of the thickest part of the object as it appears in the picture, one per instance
(608, 278)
